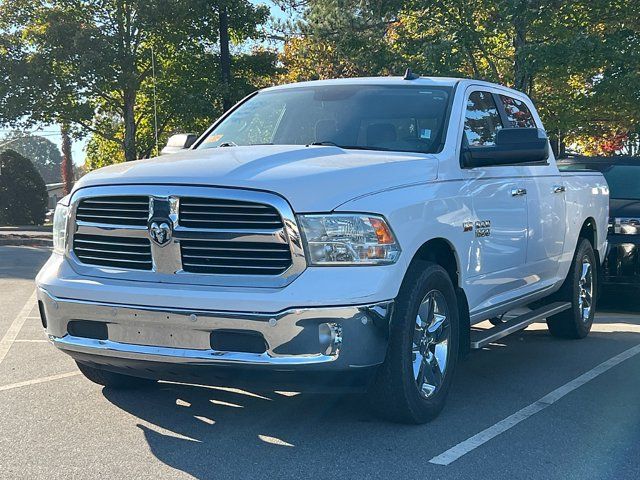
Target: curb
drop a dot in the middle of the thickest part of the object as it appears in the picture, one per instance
(26, 242)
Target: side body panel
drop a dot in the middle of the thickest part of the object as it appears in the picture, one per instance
(587, 197)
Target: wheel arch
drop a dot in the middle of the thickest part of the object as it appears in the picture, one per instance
(442, 252)
(589, 231)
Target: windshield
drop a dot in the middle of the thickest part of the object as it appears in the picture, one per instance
(623, 180)
(400, 118)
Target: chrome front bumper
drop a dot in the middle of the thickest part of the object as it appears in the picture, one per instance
(324, 338)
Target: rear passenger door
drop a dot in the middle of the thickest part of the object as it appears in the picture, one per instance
(545, 200)
(499, 234)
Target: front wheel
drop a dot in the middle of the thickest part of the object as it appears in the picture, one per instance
(580, 288)
(413, 382)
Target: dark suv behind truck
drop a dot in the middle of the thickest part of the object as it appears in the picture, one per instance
(622, 264)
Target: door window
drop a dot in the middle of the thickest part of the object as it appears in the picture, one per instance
(517, 112)
(482, 120)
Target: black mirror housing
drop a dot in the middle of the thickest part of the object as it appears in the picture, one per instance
(513, 146)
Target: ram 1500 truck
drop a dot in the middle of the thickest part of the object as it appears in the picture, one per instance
(341, 234)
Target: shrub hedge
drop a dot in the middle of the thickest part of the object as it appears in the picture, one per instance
(23, 194)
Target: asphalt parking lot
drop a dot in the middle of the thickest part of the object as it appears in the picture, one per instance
(530, 406)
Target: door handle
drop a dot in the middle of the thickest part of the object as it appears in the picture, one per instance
(518, 192)
(559, 189)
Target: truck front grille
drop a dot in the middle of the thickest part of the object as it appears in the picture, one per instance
(121, 210)
(237, 258)
(111, 251)
(210, 213)
(189, 235)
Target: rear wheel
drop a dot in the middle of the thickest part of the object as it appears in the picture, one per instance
(412, 384)
(113, 380)
(580, 288)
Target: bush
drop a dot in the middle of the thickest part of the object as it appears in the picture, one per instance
(23, 194)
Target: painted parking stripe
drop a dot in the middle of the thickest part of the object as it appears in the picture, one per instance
(16, 326)
(36, 381)
(511, 421)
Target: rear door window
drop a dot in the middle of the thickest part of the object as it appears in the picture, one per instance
(517, 113)
(482, 120)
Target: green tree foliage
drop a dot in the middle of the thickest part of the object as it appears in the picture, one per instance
(88, 64)
(578, 59)
(43, 153)
(89, 56)
(23, 194)
(188, 87)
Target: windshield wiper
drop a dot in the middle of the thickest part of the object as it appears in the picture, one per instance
(227, 144)
(325, 143)
(348, 147)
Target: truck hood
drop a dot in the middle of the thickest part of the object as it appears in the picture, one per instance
(316, 178)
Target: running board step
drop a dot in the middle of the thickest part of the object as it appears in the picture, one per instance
(480, 338)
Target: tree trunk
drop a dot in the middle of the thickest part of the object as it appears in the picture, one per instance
(130, 153)
(67, 161)
(225, 57)
(521, 73)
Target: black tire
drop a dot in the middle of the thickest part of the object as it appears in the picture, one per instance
(394, 394)
(574, 323)
(116, 381)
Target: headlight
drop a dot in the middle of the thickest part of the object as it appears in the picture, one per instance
(348, 239)
(60, 227)
(627, 226)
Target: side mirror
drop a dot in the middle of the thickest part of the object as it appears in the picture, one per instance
(512, 146)
(179, 142)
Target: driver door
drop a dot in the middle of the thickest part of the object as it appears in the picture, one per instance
(498, 196)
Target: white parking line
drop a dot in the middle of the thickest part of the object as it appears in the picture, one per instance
(502, 426)
(16, 326)
(36, 381)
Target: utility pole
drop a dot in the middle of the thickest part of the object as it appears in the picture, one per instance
(225, 56)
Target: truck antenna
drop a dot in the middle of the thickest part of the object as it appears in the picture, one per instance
(409, 75)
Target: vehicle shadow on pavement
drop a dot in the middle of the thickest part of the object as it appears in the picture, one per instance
(207, 432)
(219, 432)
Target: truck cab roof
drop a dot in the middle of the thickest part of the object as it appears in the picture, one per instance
(397, 80)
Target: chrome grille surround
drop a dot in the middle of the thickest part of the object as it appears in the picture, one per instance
(173, 262)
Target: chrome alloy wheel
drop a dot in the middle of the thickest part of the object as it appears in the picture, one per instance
(585, 289)
(430, 344)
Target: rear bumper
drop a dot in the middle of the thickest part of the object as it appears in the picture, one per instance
(145, 339)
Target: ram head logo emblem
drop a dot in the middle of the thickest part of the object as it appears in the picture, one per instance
(160, 232)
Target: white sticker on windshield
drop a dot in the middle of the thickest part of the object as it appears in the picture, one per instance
(425, 133)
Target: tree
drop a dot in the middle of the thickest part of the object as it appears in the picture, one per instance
(189, 88)
(87, 63)
(43, 153)
(579, 60)
(23, 194)
(80, 57)
(67, 160)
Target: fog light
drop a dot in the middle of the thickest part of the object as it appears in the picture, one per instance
(330, 336)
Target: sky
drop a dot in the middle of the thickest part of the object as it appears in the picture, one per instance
(52, 132)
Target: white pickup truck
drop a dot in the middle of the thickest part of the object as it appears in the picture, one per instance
(342, 234)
